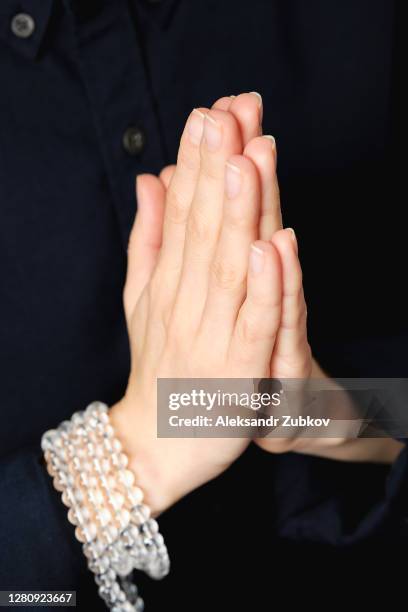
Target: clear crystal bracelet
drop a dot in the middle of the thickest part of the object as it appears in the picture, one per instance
(117, 533)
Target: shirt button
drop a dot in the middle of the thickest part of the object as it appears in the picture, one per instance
(134, 140)
(22, 25)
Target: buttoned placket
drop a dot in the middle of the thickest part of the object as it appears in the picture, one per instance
(122, 104)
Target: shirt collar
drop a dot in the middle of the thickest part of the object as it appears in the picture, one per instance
(39, 11)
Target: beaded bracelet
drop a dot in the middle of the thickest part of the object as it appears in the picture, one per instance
(114, 526)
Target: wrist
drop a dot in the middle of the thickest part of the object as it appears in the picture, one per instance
(145, 461)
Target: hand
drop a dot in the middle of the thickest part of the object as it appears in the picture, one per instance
(291, 356)
(199, 301)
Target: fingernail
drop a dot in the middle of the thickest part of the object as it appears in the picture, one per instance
(256, 259)
(258, 96)
(212, 133)
(195, 126)
(233, 180)
(292, 235)
(271, 138)
(233, 97)
(260, 105)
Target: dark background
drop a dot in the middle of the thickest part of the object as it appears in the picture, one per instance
(331, 75)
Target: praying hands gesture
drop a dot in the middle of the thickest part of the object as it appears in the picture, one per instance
(214, 289)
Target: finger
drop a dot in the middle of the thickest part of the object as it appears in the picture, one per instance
(145, 237)
(247, 108)
(167, 174)
(223, 103)
(221, 140)
(259, 317)
(292, 352)
(227, 283)
(178, 200)
(262, 151)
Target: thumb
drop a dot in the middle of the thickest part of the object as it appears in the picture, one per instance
(145, 238)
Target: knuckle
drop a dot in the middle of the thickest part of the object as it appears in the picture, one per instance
(270, 304)
(199, 230)
(248, 331)
(225, 275)
(240, 221)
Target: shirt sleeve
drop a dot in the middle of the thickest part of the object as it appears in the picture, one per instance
(39, 549)
(344, 503)
(337, 503)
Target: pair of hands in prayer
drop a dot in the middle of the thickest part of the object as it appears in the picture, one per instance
(214, 290)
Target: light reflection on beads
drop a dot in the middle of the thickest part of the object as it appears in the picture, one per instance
(89, 468)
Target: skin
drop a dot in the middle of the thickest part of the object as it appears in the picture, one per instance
(214, 289)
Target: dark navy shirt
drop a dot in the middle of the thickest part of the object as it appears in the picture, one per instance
(93, 92)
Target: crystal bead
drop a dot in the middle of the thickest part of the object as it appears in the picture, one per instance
(123, 566)
(110, 533)
(84, 479)
(58, 484)
(86, 533)
(97, 408)
(126, 477)
(119, 460)
(47, 440)
(65, 428)
(139, 605)
(77, 418)
(108, 431)
(131, 590)
(120, 608)
(116, 500)
(116, 445)
(135, 496)
(80, 514)
(50, 468)
(153, 525)
(92, 481)
(155, 571)
(103, 418)
(123, 518)
(107, 444)
(99, 451)
(158, 540)
(93, 550)
(126, 606)
(104, 517)
(134, 532)
(81, 432)
(107, 593)
(106, 579)
(77, 463)
(105, 466)
(79, 496)
(96, 497)
(72, 516)
(99, 566)
(140, 514)
(62, 454)
(71, 450)
(90, 423)
(68, 497)
(121, 598)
